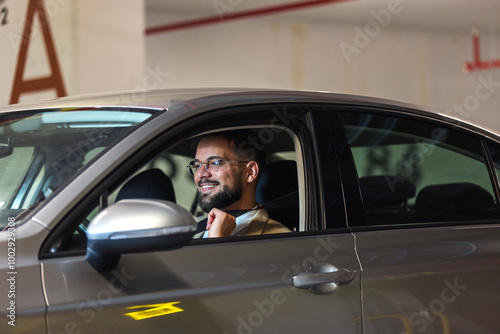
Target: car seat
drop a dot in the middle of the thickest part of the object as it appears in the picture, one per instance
(385, 198)
(278, 183)
(151, 183)
(453, 202)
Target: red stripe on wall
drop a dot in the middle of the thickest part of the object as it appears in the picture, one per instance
(236, 16)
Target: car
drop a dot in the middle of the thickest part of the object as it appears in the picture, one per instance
(393, 212)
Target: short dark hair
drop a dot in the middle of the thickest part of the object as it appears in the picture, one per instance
(247, 145)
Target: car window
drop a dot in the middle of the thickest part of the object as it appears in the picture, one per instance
(166, 177)
(14, 168)
(174, 161)
(412, 171)
(41, 150)
(287, 136)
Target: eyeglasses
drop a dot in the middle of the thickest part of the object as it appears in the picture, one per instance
(212, 165)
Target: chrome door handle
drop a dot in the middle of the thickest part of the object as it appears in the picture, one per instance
(323, 278)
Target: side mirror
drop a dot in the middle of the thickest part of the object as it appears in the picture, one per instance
(135, 226)
(6, 146)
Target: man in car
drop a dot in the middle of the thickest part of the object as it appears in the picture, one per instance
(226, 171)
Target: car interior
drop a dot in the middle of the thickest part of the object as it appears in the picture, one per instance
(165, 177)
(409, 174)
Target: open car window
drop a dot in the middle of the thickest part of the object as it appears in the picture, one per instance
(173, 164)
(166, 177)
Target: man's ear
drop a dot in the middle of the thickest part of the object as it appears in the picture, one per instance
(252, 171)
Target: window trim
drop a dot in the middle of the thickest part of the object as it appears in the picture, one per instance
(491, 169)
(450, 126)
(172, 134)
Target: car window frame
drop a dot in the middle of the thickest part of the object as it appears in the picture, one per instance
(246, 115)
(349, 171)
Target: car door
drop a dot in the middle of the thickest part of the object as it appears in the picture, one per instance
(260, 284)
(427, 232)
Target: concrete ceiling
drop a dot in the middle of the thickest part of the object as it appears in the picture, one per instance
(439, 15)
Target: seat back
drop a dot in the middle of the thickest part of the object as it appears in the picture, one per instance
(453, 202)
(278, 179)
(149, 184)
(385, 198)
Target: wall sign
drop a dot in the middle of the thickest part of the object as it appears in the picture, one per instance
(478, 64)
(54, 80)
(4, 13)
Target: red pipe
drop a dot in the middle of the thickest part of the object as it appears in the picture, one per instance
(240, 15)
(475, 47)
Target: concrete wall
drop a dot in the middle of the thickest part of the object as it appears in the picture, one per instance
(98, 46)
(377, 55)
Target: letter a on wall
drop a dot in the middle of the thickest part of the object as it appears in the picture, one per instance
(53, 81)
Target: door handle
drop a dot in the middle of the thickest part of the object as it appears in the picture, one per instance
(323, 278)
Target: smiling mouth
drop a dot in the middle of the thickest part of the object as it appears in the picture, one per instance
(206, 186)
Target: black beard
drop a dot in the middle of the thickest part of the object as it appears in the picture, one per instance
(222, 199)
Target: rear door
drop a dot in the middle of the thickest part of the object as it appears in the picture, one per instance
(229, 285)
(427, 232)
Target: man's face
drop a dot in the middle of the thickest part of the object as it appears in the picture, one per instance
(222, 188)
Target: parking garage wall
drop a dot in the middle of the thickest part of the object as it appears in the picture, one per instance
(53, 48)
(413, 64)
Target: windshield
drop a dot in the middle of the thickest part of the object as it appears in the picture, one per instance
(40, 150)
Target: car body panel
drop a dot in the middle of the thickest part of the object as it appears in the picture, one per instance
(431, 280)
(23, 301)
(220, 287)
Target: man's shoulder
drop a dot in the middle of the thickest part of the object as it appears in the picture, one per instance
(263, 224)
(273, 226)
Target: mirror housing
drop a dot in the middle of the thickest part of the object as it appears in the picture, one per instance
(136, 226)
(6, 146)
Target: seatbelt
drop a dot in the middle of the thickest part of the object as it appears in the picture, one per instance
(285, 201)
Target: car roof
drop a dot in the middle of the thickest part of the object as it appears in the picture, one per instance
(203, 99)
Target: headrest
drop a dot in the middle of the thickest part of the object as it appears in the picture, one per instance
(151, 183)
(278, 178)
(385, 190)
(453, 201)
